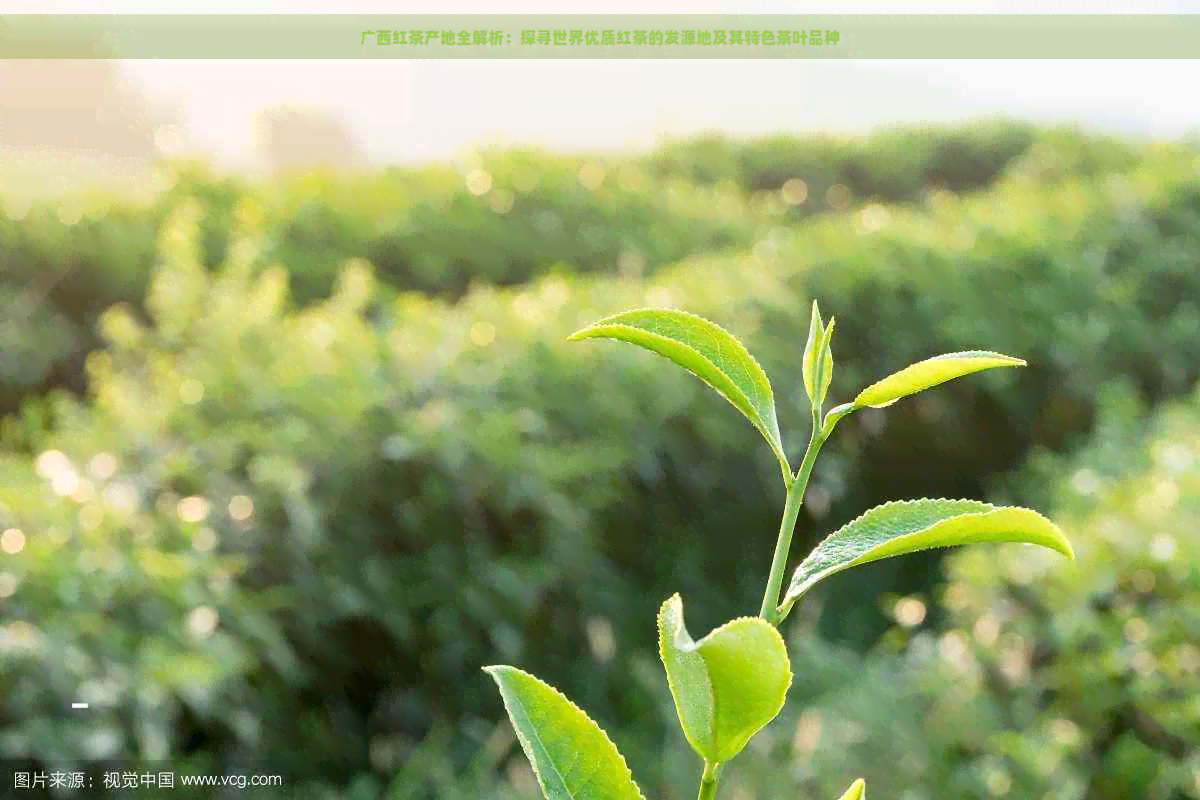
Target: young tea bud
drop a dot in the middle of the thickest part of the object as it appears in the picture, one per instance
(813, 357)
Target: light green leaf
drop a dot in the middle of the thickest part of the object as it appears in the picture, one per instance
(812, 353)
(834, 416)
(706, 350)
(571, 756)
(728, 685)
(928, 373)
(907, 526)
(817, 367)
(857, 791)
(826, 371)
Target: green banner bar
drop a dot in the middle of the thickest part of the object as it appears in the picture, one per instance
(676, 36)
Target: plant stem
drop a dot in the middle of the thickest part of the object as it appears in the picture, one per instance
(791, 510)
(708, 782)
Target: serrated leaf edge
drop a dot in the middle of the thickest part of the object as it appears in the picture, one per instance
(773, 436)
(627, 772)
(696, 645)
(988, 508)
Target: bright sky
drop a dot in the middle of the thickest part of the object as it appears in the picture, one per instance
(414, 110)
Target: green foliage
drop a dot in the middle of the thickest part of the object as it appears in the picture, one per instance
(929, 373)
(732, 683)
(432, 487)
(421, 229)
(572, 758)
(1109, 292)
(1073, 680)
(1099, 659)
(156, 578)
(728, 685)
(33, 338)
(707, 351)
(902, 527)
(857, 791)
(893, 166)
(427, 229)
(817, 370)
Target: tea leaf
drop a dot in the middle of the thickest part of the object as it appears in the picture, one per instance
(728, 685)
(826, 370)
(857, 791)
(907, 526)
(929, 373)
(817, 367)
(706, 350)
(834, 416)
(571, 756)
(812, 354)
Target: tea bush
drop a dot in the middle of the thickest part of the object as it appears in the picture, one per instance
(34, 338)
(1101, 659)
(891, 165)
(304, 530)
(427, 229)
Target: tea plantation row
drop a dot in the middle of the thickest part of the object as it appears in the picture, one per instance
(502, 218)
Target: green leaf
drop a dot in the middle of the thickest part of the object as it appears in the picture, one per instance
(706, 350)
(857, 791)
(928, 373)
(907, 526)
(812, 354)
(817, 367)
(834, 416)
(571, 756)
(826, 371)
(728, 685)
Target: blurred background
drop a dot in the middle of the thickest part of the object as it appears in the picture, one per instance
(292, 444)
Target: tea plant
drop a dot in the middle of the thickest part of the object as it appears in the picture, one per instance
(730, 684)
